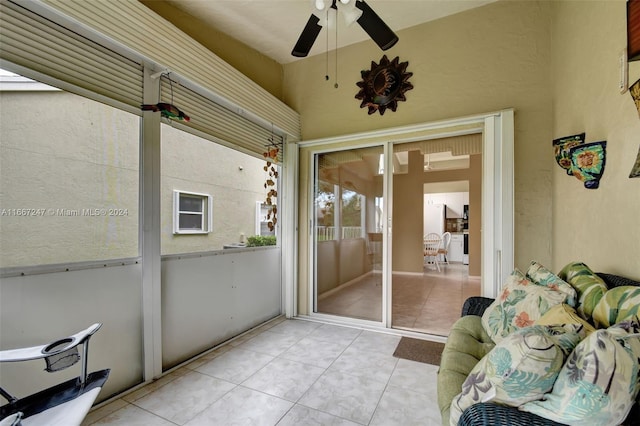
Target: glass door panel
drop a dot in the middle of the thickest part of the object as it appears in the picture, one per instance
(348, 233)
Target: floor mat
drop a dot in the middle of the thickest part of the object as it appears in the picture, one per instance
(419, 350)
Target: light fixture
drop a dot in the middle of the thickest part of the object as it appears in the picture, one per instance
(354, 11)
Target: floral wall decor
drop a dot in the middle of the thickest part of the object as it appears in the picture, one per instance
(562, 146)
(587, 162)
(635, 170)
(384, 85)
(634, 90)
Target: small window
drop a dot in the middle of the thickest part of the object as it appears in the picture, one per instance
(192, 213)
(262, 227)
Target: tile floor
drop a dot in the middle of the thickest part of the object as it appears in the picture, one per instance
(287, 372)
(428, 303)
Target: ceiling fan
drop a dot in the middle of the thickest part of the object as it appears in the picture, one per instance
(357, 10)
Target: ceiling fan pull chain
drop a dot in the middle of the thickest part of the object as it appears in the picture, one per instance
(336, 23)
(326, 75)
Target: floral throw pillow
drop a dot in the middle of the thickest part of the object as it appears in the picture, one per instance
(521, 368)
(599, 382)
(542, 276)
(589, 286)
(617, 305)
(519, 305)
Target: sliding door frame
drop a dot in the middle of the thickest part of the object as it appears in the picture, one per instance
(497, 203)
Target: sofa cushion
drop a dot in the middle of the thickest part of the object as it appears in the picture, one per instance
(521, 368)
(588, 285)
(564, 314)
(467, 344)
(617, 305)
(542, 276)
(520, 304)
(599, 381)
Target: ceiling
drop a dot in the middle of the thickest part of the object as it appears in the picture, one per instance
(272, 27)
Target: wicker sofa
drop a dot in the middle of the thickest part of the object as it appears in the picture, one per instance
(467, 344)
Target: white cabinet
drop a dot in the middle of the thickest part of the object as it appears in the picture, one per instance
(456, 248)
(454, 202)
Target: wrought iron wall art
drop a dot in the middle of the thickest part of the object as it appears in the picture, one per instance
(384, 85)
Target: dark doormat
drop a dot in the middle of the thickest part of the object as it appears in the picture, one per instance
(419, 350)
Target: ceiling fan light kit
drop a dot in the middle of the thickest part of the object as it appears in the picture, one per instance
(356, 10)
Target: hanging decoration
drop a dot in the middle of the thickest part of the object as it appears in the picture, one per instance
(635, 170)
(587, 162)
(167, 110)
(634, 91)
(562, 146)
(271, 155)
(384, 85)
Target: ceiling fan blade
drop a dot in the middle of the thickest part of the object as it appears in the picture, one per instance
(375, 27)
(307, 37)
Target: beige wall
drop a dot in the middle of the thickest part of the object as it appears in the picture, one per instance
(599, 227)
(493, 57)
(408, 216)
(263, 70)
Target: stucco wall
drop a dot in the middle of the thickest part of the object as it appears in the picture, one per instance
(599, 227)
(485, 59)
(61, 154)
(234, 180)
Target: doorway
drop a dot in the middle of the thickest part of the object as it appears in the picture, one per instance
(433, 184)
(374, 248)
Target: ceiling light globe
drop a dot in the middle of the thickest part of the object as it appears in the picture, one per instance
(320, 4)
(344, 1)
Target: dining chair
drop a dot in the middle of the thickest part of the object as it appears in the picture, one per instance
(444, 248)
(431, 245)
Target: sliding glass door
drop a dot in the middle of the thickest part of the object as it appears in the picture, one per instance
(347, 233)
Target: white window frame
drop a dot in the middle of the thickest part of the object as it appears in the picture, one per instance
(207, 215)
(261, 218)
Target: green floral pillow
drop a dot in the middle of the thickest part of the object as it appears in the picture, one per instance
(521, 368)
(519, 305)
(599, 382)
(618, 304)
(542, 276)
(588, 285)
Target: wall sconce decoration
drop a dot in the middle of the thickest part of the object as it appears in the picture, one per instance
(562, 146)
(384, 85)
(587, 162)
(634, 90)
(633, 30)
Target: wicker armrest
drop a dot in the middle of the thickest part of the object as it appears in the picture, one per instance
(487, 413)
(476, 305)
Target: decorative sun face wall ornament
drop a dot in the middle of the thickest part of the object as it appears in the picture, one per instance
(384, 85)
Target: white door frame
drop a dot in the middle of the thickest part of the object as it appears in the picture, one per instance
(497, 197)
